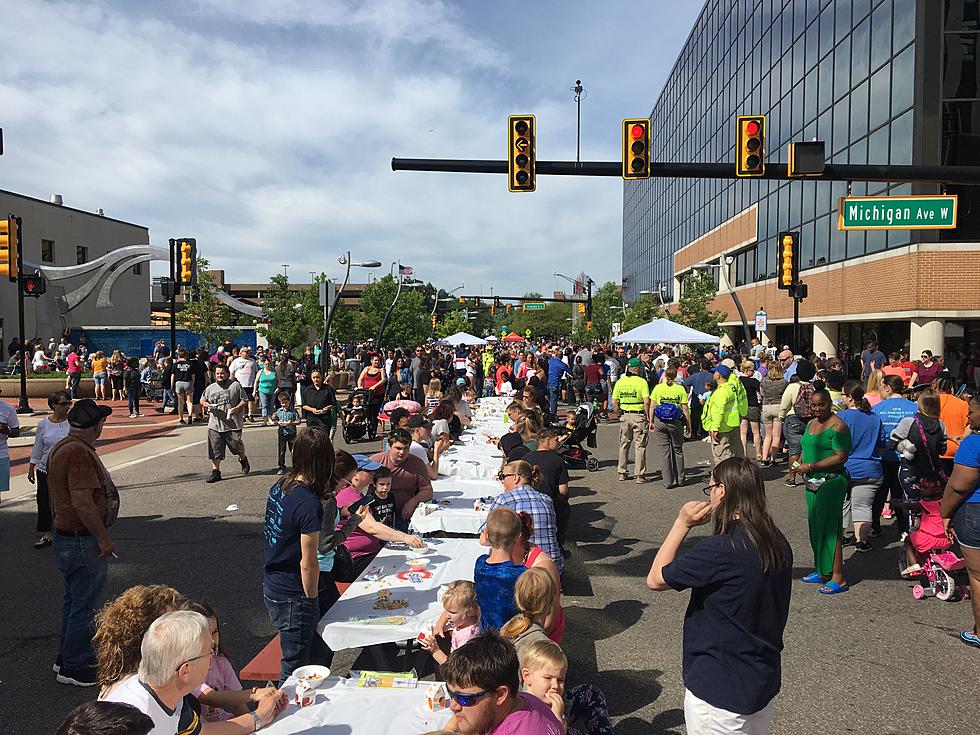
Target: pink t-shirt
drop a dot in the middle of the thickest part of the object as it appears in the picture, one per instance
(221, 678)
(358, 543)
(463, 635)
(536, 718)
(74, 363)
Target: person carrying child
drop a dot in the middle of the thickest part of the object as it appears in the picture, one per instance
(287, 419)
(461, 612)
(495, 574)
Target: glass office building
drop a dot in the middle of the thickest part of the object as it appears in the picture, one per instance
(879, 81)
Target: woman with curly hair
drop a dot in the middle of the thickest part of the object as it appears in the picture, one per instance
(119, 629)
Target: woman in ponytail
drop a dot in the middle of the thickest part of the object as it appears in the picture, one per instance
(863, 463)
(533, 594)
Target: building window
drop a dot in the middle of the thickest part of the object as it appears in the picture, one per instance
(47, 251)
(138, 269)
(81, 254)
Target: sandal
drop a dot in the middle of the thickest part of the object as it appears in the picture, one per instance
(832, 588)
(814, 578)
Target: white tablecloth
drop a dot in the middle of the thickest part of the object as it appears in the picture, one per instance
(341, 708)
(458, 515)
(451, 559)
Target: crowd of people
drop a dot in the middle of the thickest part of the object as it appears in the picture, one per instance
(901, 445)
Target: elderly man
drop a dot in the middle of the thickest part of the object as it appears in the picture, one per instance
(484, 685)
(722, 417)
(175, 656)
(84, 504)
(631, 398)
(244, 368)
(410, 482)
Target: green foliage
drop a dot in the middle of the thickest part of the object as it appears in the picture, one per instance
(203, 314)
(644, 310)
(550, 322)
(697, 291)
(453, 322)
(409, 321)
(288, 326)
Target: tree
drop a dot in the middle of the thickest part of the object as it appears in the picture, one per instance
(286, 326)
(642, 311)
(409, 321)
(203, 314)
(454, 321)
(697, 291)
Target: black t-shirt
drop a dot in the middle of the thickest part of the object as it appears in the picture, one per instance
(198, 370)
(321, 398)
(183, 372)
(733, 627)
(751, 386)
(384, 510)
(553, 471)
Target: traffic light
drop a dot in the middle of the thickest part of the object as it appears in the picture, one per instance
(187, 262)
(508, 308)
(461, 300)
(493, 310)
(433, 321)
(750, 145)
(33, 285)
(788, 267)
(521, 156)
(636, 148)
(9, 243)
(581, 308)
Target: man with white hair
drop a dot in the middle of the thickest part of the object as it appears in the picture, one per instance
(175, 656)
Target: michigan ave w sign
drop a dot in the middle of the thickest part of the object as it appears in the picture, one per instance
(898, 213)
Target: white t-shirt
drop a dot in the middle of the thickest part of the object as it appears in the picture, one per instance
(133, 691)
(46, 436)
(439, 427)
(8, 416)
(38, 362)
(244, 370)
(419, 451)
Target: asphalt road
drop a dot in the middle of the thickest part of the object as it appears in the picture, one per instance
(872, 660)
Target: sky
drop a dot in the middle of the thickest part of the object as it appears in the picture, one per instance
(265, 129)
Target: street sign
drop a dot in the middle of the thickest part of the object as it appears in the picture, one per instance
(927, 212)
(328, 293)
(532, 305)
(616, 328)
(527, 334)
(761, 320)
(503, 331)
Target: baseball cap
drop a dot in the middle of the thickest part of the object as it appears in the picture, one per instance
(86, 413)
(364, 462)
(417, 422)
(634, 362)
(460, 381)
(723, 370)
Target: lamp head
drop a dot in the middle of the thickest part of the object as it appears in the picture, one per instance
(367, 264)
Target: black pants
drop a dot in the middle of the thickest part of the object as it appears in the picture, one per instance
(697, 431)
(285, 442)
(563, 512)
(889, 488)
(43, 503)
(320, 652)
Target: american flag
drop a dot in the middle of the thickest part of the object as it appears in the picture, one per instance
(404, 270)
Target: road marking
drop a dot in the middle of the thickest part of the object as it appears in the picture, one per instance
(155, 456)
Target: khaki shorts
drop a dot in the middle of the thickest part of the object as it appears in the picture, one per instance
(770, 413)
(218, 441)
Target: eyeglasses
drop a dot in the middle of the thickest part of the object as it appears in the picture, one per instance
(708, 488)
(209, 654)
(503, 475)
(467, 699)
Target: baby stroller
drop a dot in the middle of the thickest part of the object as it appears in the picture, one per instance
(355, 415)
(571, 450)
(152, 385)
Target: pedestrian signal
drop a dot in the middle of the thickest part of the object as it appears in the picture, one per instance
(187, 262)
(521, 156)
(750, 145)
(9, 245)
(788, 267)
(33, 285)
(636, 148)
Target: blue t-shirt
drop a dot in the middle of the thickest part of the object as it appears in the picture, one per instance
(968, 455)
(697, 381)
(495, 591)
(284, 415)
(733, 627)
(287, 517)
(556, 368)
(867, 440)
(891, 411)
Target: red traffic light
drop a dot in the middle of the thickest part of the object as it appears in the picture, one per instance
(752, 127)
(637, 131)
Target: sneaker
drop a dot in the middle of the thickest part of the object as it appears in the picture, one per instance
(281, 471)
(139, 414)
(789, 483)
(862, 546)
(132, 415)
(847, 541)
(56, 667)
(246, 467)
(79, 678)
(640, 480)
(181, 421)
(912, 570)
(214, 477)
(970, 638)
(623, 477)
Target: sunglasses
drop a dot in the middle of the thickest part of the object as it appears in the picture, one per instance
(708, 488)
(467, 700)
(502, 475)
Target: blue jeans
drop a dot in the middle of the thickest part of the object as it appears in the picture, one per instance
(73, 379)
(168, 398)
(85, 577)
(295, 619)
(268, 401)
(553, 393)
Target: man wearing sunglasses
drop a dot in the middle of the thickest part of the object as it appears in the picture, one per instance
(483, 682)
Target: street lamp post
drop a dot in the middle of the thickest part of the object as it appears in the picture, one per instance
(723, 274)
(344, 259)
(578, 89)
(589, 283)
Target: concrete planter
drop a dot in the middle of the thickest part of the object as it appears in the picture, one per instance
(44, 387)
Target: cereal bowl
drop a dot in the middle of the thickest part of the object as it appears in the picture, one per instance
(312, 674)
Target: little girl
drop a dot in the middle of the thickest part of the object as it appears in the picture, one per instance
(433, 394)
(221, 694)
(461, 612)
(929, 534)
(920, 441)
(534, 594)
(543, 670)
(495, 574)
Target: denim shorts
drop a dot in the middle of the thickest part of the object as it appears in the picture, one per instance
(966, 523)
(793, 429)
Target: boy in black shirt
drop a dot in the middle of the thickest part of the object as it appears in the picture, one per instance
(554, 477)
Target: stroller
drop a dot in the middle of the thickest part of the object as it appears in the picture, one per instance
(151, 383)
(356, 416)
(571, 450)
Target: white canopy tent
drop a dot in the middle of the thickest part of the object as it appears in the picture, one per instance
(462, 338)
(666, 332)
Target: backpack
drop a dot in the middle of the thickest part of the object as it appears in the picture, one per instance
(801, 406)
(667, 412)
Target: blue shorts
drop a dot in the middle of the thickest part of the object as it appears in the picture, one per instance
(4, 474)
(966, 523)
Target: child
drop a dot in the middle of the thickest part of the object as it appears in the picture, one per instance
(506, 388)
(383, 507)
(920, 441)
(709, 388)
(931, 532)
(543, 670)
(221, 694)
(433, 394)
(131, 379)
(287, 419)
(461, 612)
(534, 594)
(495, 574)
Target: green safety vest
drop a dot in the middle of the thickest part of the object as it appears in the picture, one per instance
(630, 392)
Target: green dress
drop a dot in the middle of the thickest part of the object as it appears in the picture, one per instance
(825, 506)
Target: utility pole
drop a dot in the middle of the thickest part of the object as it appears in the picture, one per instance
(173, 299)
(578, 89)
(23, 405)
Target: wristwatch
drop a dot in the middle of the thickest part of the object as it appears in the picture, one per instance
(256, 722)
